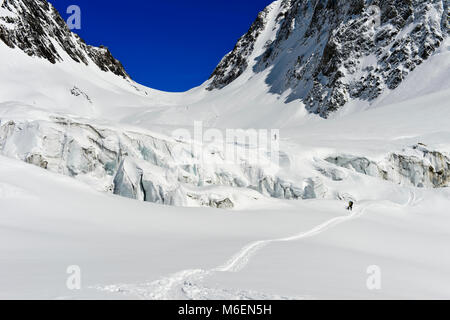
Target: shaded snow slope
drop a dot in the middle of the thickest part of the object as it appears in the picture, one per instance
(327, 53)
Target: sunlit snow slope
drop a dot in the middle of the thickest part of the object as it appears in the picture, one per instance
(367, 123)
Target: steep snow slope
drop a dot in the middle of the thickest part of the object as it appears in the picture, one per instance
(70, 88)
(328, 52)
(287, 57)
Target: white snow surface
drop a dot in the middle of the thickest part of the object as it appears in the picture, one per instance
(266, 247)
(127, 249)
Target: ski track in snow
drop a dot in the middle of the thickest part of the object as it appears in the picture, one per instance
(186, 284)
(240, 260)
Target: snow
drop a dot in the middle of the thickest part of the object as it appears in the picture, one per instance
(267, 246)
(267, 249)
(128, 249)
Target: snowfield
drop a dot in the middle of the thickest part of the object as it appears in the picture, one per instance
(95, 176)
(293, 249)
(264, 249)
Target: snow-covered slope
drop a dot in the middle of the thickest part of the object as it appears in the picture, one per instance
(289, 249)
(37, 29)
(298, 57)
(327, 53)
(70, 109)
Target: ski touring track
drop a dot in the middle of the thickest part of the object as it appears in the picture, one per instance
(186, 285)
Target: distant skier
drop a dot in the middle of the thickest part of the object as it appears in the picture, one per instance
(350, 206)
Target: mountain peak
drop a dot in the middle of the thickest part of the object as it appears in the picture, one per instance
(37, 28)
(328, 52)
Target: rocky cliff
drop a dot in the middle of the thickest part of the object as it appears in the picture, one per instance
(328, 52)
(36, 27)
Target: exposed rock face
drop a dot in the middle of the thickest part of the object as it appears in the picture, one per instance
(77, 92)
(331, 51)
(419, 167)
(327, 52)
(36, 27)
(221, 204)
(235, 63)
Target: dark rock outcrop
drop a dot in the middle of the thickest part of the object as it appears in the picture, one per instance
(236, 62)
(36, 27)
(328, 52)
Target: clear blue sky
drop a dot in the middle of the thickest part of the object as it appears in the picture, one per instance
(171, 45)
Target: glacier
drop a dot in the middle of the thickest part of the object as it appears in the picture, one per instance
(94, 173)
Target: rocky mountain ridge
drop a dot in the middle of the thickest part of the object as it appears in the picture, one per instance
(36, 27)
(329, 52)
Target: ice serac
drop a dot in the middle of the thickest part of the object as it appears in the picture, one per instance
(149, 167)
(326, 53)
(36, 27)
(416, 166)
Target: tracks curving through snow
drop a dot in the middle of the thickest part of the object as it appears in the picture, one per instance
(242, 258)
(186, 284)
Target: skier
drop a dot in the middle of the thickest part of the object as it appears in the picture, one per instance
(350, 206)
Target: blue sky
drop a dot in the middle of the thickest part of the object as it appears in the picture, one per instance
(171, 45)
